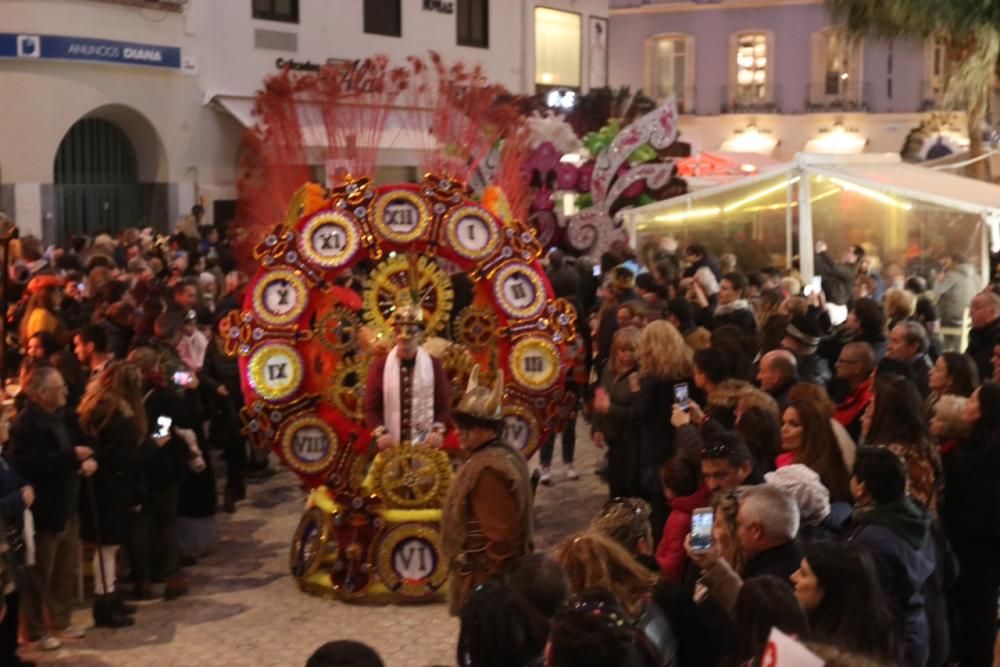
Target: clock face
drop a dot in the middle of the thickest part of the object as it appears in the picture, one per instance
(520, 427)
(309, 444)
(329, 239)
(519, 291)
(472, 234)
(275, 371)
(280, 297)
(534, 363)
(401, 216)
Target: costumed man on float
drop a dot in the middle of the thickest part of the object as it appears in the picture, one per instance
(406, 394)
(486, 523)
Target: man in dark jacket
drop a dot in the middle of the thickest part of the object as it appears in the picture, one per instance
(908, 344)
(985, 314)
(767, 525)
(778, 374)
(16, 495)
(837, 279)
(895, 530)
(43, 452)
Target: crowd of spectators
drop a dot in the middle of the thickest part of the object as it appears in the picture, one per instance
(117, 387)
(844, 444)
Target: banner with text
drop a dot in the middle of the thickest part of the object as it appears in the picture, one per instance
(59, 47)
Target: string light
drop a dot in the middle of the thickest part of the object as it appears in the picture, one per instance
(759, 195)
(871, 194)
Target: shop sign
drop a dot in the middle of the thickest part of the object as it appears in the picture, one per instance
(440, 6)
(60, 47)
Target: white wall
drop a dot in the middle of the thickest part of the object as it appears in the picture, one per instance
(178, 138)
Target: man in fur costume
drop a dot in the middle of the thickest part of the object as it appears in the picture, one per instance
(406, 395)
(486, 523)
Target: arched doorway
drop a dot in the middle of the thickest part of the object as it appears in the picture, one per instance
(96, 179)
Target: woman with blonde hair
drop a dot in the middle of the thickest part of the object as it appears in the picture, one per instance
(900, 304)
(113, 417)
(592, 559)
(665, 361)
(613, 423)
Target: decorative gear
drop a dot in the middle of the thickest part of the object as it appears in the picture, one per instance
(411, 477)
(390, 283)
(347, 391)
(476, 327)
(338, 330)
(311, 545)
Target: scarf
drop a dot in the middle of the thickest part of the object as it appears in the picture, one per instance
(738, 304)
(422, 395)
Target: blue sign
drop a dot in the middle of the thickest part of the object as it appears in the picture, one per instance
(58, 47)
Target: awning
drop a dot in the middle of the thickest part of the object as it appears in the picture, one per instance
(881, 178)
(920, 184)
(399, 146)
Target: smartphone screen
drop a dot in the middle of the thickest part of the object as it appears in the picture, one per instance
(814, 286)
(681, 395)
(182, 378)
(163, 426)
(701, 528)
(597, 270)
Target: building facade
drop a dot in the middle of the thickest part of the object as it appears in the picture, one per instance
(774, 75)
(127, 112)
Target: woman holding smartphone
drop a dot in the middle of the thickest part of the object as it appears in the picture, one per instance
(664, 362)
(614, 426)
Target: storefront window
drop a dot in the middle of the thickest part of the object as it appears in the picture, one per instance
(558, 38)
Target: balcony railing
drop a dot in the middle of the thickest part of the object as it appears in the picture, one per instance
(165, 5)
(735, 99)
(848, 96)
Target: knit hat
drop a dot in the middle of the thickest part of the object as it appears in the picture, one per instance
(803, 485)
(805, 331)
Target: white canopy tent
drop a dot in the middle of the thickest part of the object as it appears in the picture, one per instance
(899, 211)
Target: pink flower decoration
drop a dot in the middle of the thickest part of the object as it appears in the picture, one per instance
(566, 176)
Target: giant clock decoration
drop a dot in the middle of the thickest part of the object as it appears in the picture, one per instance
(305, 342)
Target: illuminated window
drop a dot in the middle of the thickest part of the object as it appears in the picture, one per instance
(752, 67)
(670, 69)
(558, 37)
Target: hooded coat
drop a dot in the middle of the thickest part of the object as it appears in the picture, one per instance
(897, 535)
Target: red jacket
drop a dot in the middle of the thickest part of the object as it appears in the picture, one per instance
(670, 555)
(850, 409)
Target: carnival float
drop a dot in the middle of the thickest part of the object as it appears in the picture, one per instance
(339, 265)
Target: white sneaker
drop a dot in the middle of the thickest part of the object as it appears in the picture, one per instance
(546, 477)
(571, 473)
(49, 643)
(73, 632)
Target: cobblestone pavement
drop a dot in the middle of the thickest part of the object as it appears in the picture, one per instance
(244, 608)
